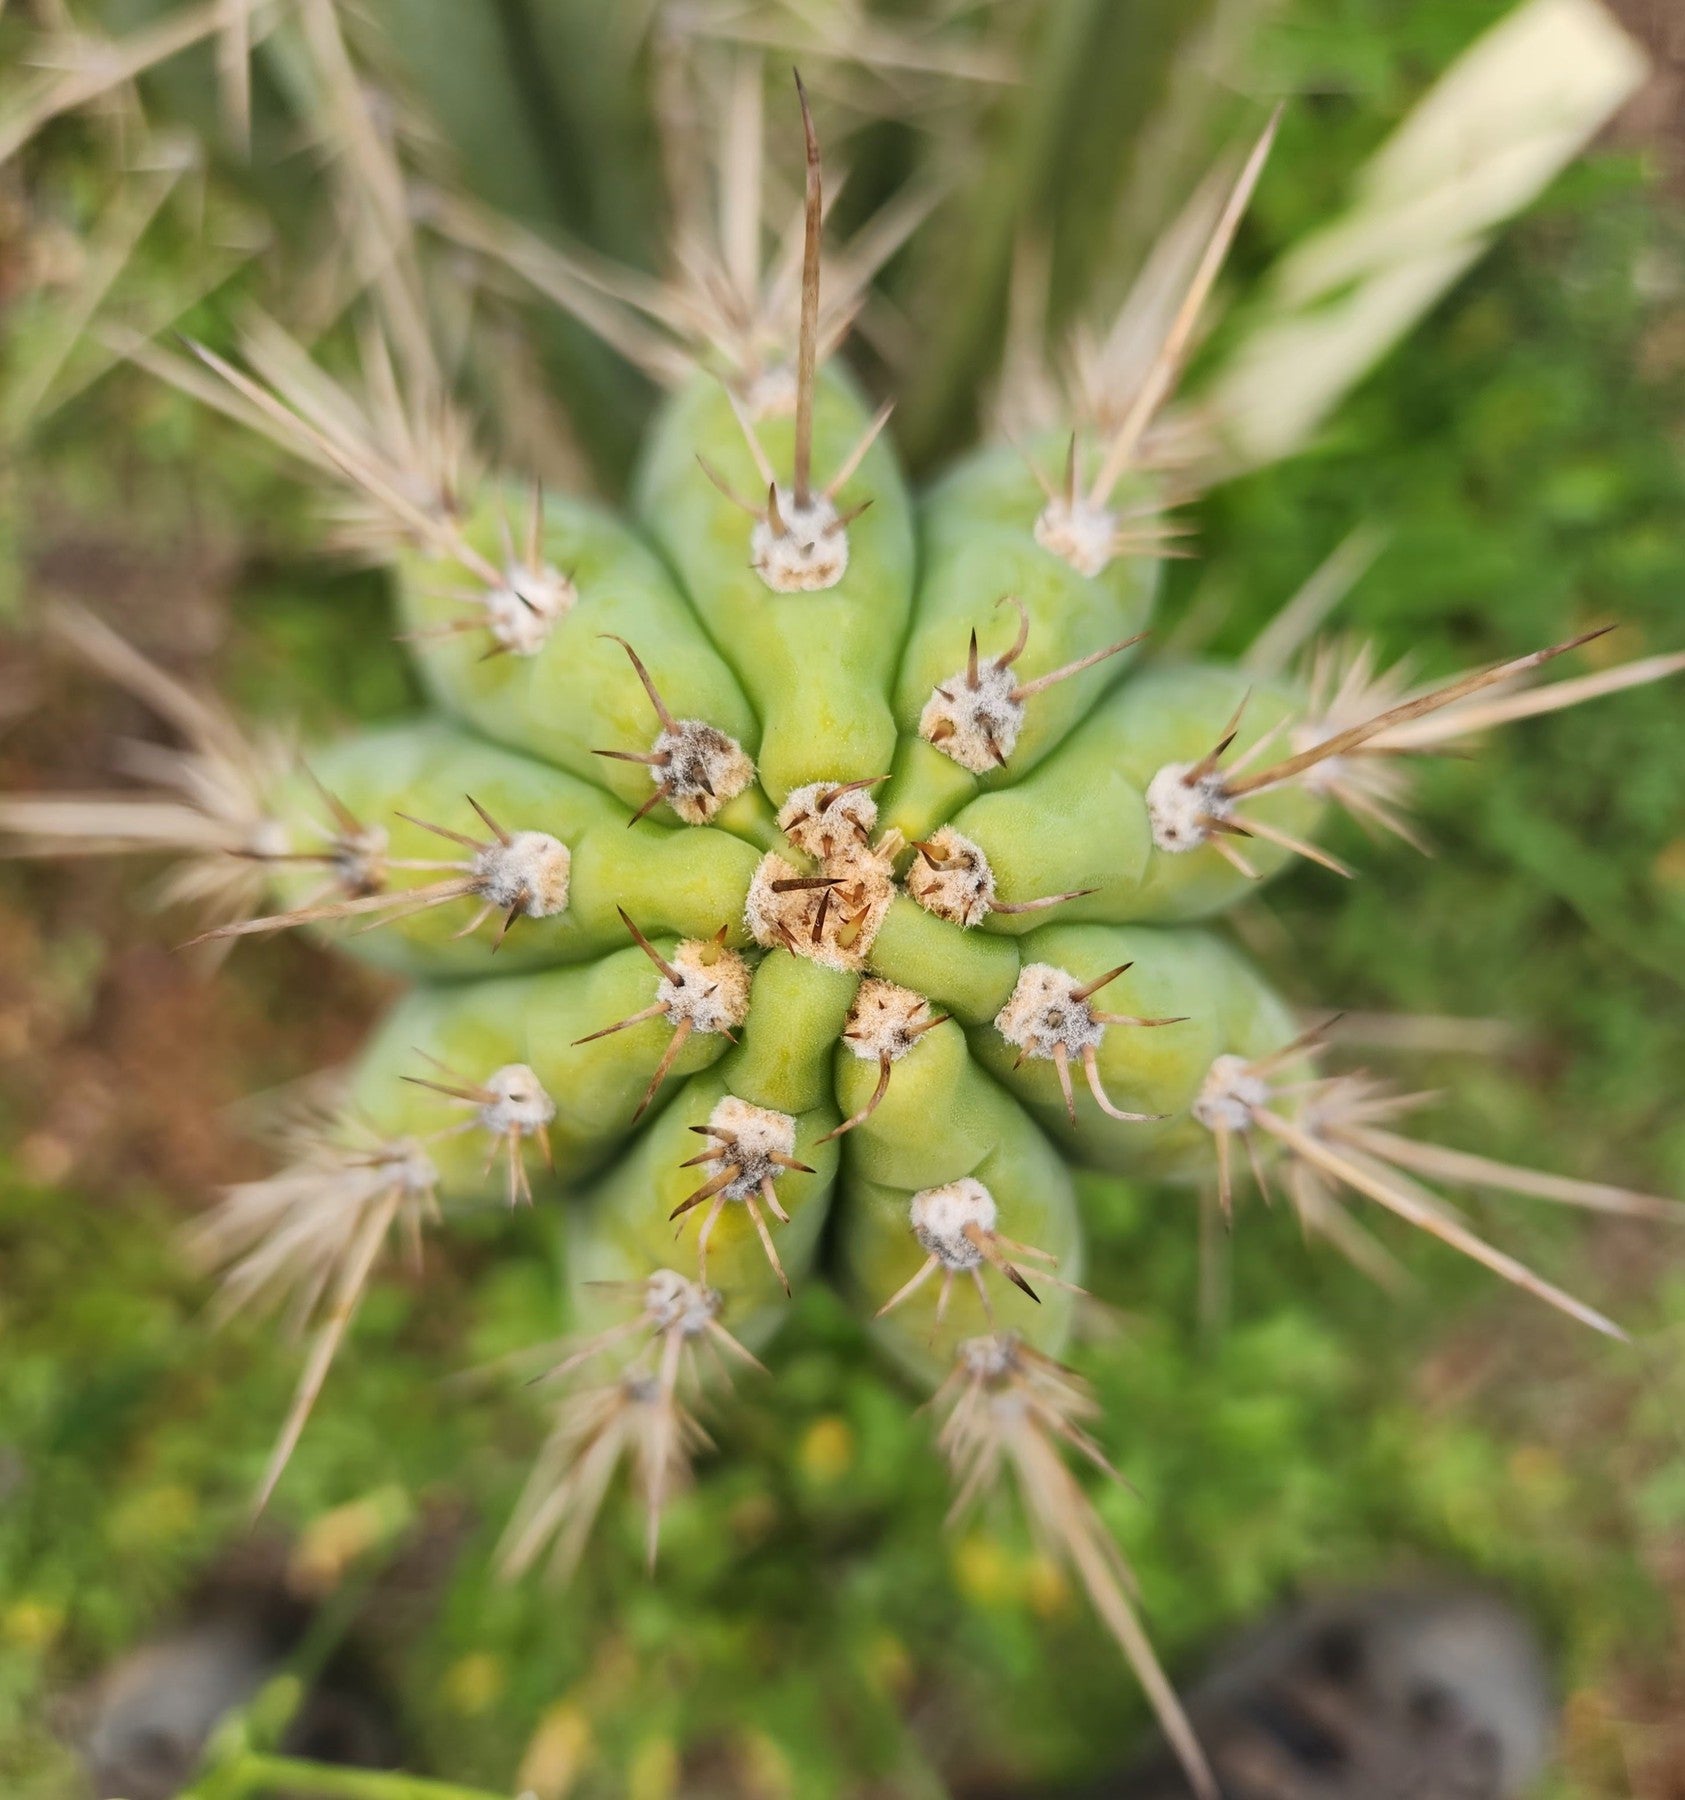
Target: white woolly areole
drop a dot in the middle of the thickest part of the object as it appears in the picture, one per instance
(962, 890)
(829, 818)
(990, 1359)
(518, 1101)
(1085, 536)
(672, 1302)
(712, 992)
(941, 1216)
(808, 554)
(703, 769)
(769, 393)
(748, 1138)
(1175, 807)
(971, 723)
(885, 1020)
(1229, 1095)
(526, 607)
(531, 872)
(405, 1161)
(1043, 1013)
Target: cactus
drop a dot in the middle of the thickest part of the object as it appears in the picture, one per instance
(797, 876)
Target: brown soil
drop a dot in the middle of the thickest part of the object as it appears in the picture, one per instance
(121, 1058)
(1655, 118)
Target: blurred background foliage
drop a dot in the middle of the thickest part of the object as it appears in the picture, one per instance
(813, 1630)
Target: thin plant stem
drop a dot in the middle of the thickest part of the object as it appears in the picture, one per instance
(257, 1773)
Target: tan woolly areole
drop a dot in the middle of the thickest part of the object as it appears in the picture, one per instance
(975, 721)
(702, 987)
(696, 768)
(754, 1139)
(831, 918)
(700, 769)
(749, 1147)
(946, 1219)
(799, 549)
(530, 872)
(885, 1020)
(832, 915)
(975, 716)
(1049, 1016)
(712, 992)
(829, 818)
(950, 877)
(865, 887)
(884, 1024)
(774, 917)
(1044, 1015)
(955, 1226)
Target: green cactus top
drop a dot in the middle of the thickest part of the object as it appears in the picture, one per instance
(811, 875)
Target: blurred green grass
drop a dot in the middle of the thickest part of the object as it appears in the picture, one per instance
(1522, 453)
